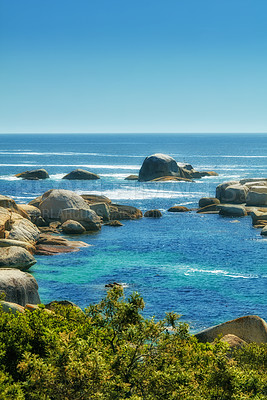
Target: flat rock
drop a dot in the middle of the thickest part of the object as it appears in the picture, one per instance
(19, 287)
(250, 328)
(81, 174)
(170, 178)
(208, 201)
(85, 216)
(72, 227)
(94, 198)
(56, 200)
(51, 250)
(132, 178)
(178, 209)
(10, 242)
(16, 257)
(34, 174)
(153, 214)
(46, 239)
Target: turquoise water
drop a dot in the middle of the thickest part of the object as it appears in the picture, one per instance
(205, 267)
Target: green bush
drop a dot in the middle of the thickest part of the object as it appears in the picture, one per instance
(111, 352)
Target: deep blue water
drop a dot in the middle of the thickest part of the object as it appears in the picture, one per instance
(206, 267)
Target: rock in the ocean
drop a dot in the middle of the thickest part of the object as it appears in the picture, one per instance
(178, 209)
(256, 199)
(85, 216)
(258, 216)
(132, 178)
(102, 210)
(207, 201)
(34, 174)
(264, 231)
(19, 287)
(72, 227)
(231, 192)
(16, 257)
(232, 210)
(250, 328)
(159, 165)
(153, 214)
(120, 212)
(114, 223)
(51, 245)
(55, 200)
(81, 174)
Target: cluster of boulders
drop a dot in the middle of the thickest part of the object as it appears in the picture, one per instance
(161, 167)
(77, 174)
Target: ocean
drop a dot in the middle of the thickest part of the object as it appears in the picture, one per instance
(207, 268)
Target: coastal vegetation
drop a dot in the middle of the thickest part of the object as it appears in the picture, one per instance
(111, 351)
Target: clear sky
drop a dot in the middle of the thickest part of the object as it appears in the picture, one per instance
(133, 66)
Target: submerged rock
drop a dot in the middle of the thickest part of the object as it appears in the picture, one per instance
(81, 174)
(34, 174)
(178, 209)
(51, 245)
(153, 214)
(19, 287)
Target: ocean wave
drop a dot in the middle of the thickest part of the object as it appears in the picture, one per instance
(191, 271)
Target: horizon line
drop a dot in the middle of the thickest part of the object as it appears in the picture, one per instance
(134, 133)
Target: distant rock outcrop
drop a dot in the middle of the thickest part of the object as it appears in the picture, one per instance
(81, 174)
(34, 174)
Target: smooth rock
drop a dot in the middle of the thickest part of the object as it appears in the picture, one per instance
(102, 210)
(16, 257)
(19, 287)
(207, 201)
(72, 227)
(10, 242)
(46, 239)
(178, 209)
(256, 199)
(121, 212)
(220, 190)
(52, 250)
(257, 216)
(94, 198)
(85, 216)
(211, 208)
(37, 173)
(233, 341)
(12, 308)
(132, 178)
(250, 328)
(159, 165)
(33, 212)
(232, 210)
(81, 174)
(153, 214)
(23, 230)
(11, 205)
(56, 200)
(264, 231)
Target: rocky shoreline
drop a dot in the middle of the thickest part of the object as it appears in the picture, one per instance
(34, 229)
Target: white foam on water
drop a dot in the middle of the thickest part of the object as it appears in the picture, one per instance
(191, 271)
(9, 178)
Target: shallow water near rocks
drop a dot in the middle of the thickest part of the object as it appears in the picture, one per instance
(208, 268)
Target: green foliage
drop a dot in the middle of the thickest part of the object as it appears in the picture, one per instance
(111, 352)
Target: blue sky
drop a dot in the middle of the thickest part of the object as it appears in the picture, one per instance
(133, 66)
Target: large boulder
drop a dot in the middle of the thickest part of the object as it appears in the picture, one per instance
(55, 200)
(72, 227)
(256, 198)
(85, 216)
(33, 212)
(250, 328)
(231, 192)
(10, 204)
(159, 165)
(81, 174)
(208, 201)
(16, 257)
(23, 229)
(102, 210)
(153, 214)
(34, 174)
(19, 287)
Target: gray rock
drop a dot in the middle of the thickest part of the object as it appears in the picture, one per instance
(220, 190)
(72, 227)
(16, 257)
(207, 201)
(102, 210)
(159, 165)
(232, 211)
(23, 230)
(81, 174)
(34, 174)
(234, 194)
(87, 218)
(250, 328)
(19, 287)
(56, 200)
(256, 199)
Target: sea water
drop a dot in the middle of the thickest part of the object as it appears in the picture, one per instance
(207, 268)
